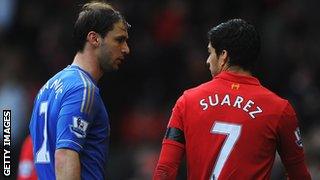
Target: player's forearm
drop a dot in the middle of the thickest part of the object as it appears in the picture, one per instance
(165, 172)
(67, 165)
(298, 171)
(169, 161)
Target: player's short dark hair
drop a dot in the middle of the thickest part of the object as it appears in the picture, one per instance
(99, 17)
(239, 39)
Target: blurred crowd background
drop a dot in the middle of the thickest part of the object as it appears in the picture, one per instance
(168, 42)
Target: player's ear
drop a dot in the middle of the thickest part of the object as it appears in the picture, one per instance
(93, 38)
(223, 57)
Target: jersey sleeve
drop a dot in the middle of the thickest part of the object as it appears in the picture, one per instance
(173, 144)
(169, 161)
(290, 146)
(176, 119)
(175, 129)
(75, 118)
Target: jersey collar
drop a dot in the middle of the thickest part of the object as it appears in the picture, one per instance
(80, 69)
(234, 77)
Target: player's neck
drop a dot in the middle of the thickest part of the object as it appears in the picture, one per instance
(238, 70)
(89, 63)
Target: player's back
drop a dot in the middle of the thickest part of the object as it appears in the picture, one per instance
(68, 97)
(43, 125)
(230, 126)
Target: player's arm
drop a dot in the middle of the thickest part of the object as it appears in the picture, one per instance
(75, 117)
(173, 145)
(170, 157)
(67, 164)
(290, 146)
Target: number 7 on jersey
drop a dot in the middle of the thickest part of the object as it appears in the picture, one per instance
(233, 132)
(42, 155)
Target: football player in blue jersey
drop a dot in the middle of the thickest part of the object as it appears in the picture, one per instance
(69, 124)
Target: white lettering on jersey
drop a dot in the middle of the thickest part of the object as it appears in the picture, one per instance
(259, 110)
(203, 104)
(44, 87)
(249, 106)
(57, 85)
(216, 100)
(238, 101)
(226, 100)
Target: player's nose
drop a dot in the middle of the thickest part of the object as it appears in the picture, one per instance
(125, 48)
(208, 61)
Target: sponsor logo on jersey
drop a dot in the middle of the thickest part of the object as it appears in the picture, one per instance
(79, 127)
(235, 86)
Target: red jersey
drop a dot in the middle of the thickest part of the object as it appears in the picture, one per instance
(232, 128)
(26, 165)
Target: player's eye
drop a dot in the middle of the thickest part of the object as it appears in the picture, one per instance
(121, 39)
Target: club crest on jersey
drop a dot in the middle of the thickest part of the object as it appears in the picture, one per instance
(298, 137)
(79, 127)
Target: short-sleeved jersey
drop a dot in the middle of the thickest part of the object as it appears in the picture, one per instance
(69, 113)
(233, 127)
(26, 164)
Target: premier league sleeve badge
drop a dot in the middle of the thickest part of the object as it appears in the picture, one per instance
(79, 127)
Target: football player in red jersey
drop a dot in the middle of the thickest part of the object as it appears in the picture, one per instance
(26, 165)
(231, 126)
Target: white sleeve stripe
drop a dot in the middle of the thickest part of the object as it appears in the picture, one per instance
(91, 102)
(90, 89)
(88, 78)
(84, 92)
(67, 140)
(90, 97)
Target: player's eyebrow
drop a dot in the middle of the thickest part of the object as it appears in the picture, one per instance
(123, 28)
(122, 38)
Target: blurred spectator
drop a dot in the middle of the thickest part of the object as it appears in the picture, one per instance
(13, 92)
(7, 12)
(144, 159)
(27, 170)
(312, 145)
(142, 126)
(169, 23)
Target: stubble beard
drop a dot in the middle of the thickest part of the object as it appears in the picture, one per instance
(104, 59)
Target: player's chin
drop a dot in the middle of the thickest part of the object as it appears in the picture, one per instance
(116, 68)
(214, 73)
(117, 64)
(110, 67)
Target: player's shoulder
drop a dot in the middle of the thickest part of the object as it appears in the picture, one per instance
(277, 102)
(68, 81)
(75, 78)
(271, 95)
(198, 89)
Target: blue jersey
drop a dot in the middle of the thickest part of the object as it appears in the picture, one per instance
(69, 113)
